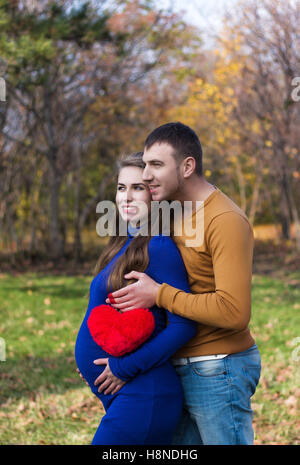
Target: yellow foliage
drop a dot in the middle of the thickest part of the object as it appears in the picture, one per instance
(250, 176)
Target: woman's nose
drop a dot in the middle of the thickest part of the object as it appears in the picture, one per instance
(128, 196)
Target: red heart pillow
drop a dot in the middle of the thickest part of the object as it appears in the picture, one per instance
(119, 333)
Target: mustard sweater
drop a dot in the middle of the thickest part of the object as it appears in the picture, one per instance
(220, 272)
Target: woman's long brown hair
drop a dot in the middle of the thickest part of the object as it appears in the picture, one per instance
(136, 255)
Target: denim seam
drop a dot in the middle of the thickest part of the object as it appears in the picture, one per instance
(236, 429)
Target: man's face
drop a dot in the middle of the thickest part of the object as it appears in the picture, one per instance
(162, 172)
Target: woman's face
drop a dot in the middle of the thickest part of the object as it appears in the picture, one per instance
(133, 196)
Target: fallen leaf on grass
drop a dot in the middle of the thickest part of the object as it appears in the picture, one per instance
(49, 312)
(291, 401)
(297, 392)
(284, 374)
(21, 407)
(72, 380)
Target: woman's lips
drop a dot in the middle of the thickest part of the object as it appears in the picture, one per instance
(130, 209)
(153, 188)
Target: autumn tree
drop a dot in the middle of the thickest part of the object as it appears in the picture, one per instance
(77, 77)
(244, 112)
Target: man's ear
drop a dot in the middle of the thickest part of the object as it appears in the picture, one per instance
(189, 166)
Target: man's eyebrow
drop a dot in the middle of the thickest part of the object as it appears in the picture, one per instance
(155, 160)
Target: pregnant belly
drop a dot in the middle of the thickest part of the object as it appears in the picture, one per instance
(86, 351)
(161, 380)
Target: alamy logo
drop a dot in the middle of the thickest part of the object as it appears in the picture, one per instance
(187, 222)
(2, 90)
(295, 95)
(2, 350)
(296, 351)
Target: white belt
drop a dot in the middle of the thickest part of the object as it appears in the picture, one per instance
(201, 358)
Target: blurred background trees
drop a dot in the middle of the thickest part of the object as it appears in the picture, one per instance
(87, 81)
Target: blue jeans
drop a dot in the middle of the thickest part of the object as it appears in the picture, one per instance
(217, 408)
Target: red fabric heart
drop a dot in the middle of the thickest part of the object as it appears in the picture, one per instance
(119, 333)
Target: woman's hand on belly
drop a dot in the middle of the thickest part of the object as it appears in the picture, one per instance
(77, 369)
(107, 379)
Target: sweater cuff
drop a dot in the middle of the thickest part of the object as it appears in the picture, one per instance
(165, 296)
(115, 368)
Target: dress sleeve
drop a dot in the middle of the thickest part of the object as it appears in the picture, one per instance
(165, 265)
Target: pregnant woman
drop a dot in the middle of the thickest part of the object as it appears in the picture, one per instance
(147, 408)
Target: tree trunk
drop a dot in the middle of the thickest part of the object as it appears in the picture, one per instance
(295, 216)
(274, 211)
(242, 187)
(254, 201)
(56, 243)
(77, 230)
(284, 203)
(92, 203)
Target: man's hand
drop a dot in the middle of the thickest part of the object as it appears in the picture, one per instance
(107, 379)
(141, 294)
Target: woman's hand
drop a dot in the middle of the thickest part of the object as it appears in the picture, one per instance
(141, 294)
(107, 379)
(77, 369)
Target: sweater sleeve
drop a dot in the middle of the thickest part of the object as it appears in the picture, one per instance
(165, 265)
(230, 242)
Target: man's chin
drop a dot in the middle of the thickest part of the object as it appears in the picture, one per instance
(158, 197)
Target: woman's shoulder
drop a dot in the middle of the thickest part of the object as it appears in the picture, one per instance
(165, 261)
(162, 242)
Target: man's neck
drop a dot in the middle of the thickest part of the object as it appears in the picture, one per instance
(196, 189)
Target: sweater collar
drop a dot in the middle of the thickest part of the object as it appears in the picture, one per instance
(134, 231)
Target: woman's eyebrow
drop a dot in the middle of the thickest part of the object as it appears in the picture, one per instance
(134, 184)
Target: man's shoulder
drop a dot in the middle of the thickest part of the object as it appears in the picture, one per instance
(220, 205)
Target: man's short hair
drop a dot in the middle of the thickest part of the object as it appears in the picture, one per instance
(182, 138)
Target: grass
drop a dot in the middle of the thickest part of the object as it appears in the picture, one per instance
(276, 328)
(43, 400)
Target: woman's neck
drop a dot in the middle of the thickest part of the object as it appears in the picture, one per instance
(134, 230)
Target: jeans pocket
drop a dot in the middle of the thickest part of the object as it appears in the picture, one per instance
(252, 373)
(209, 368)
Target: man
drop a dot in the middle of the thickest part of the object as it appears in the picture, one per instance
(220, 367)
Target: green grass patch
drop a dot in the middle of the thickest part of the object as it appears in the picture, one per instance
(275, 325)
(43, 400)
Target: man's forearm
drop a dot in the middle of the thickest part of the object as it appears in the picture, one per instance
(228, 304)
(211, 308)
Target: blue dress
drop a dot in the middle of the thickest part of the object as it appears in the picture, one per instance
(147, 409)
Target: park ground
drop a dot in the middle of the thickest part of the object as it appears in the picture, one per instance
(44, 401)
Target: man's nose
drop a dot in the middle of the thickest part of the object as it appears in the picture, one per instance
(147, 175)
